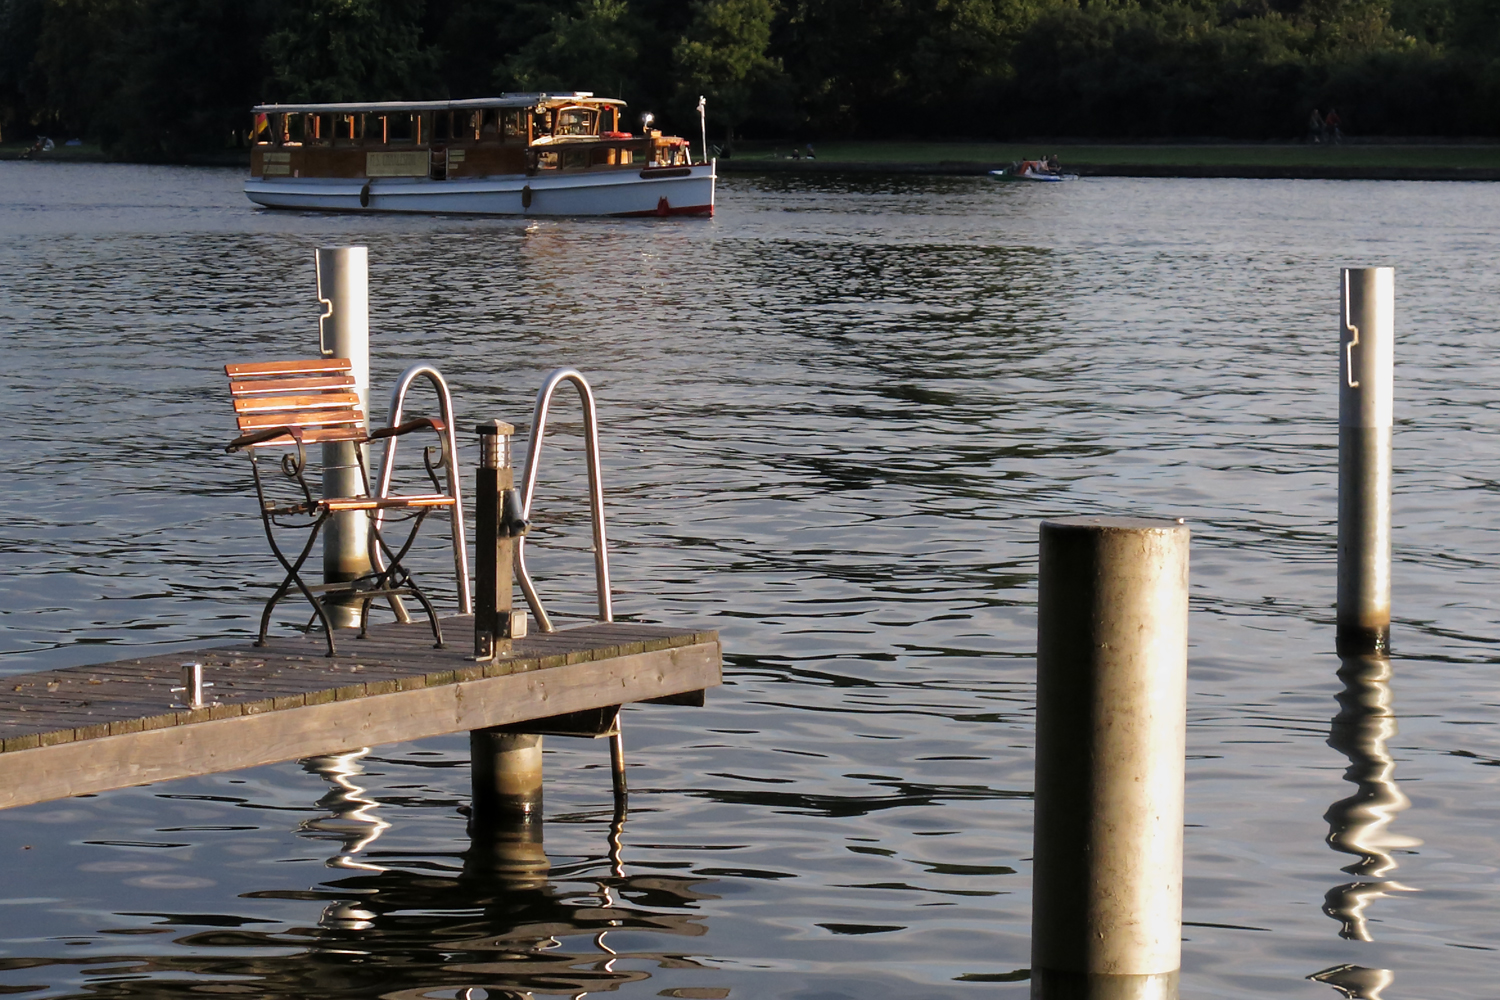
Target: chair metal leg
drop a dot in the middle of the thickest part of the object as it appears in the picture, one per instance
(294, 576)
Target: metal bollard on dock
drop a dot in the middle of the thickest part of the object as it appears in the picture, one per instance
(1366, 392)
(344, 332)
(1111, 729)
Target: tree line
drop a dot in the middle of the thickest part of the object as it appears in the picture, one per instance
(155, 79)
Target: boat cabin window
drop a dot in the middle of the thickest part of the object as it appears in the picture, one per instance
(399, 128)
(541, 124)
(515, 125)
(575, 121)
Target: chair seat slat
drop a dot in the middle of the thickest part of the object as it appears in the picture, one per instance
(313, 383)
(324, 418)
(274, 404)
(312, 366)
(389, 503)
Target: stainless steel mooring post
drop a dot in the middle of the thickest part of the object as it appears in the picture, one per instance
(497, 524)
(344, 332)
(1111, 719)
(192, 685)
(1366, 392)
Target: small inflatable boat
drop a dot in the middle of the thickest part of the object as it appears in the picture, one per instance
(1027, 172)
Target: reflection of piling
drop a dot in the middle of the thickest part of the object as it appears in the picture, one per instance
(1359, 825)
(1111, 720)
(344, 332)
(505, 822)
(1365, 401)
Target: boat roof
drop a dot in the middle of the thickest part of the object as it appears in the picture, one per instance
(471, 104)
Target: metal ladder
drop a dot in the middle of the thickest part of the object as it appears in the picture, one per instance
(450, 466)
(596, 509)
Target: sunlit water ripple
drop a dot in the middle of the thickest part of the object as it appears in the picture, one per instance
(833, 417)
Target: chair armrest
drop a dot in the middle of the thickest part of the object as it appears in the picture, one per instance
(256, 437)
(415, 424)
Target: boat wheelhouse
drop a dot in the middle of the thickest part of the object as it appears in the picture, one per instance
(516, 154)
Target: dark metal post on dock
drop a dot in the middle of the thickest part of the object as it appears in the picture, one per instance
(505, 822)
(1366, 391)
(344, 332)
(497, 524)
(1111, 724)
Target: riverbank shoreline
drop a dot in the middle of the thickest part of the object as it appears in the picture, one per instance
(1413, 161)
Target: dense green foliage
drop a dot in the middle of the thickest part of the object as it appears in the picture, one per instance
(160, 78)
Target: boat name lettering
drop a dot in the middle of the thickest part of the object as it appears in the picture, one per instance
(405, 164)
(274, 157)
(276, 169)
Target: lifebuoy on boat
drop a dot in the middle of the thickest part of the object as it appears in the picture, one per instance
(663, 207)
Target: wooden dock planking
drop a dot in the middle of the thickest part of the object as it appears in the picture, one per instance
(88, 729)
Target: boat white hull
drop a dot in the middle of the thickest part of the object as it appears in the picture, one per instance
(659, 191)
(1006, 175)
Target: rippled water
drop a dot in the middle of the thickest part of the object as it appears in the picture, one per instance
(833, 417)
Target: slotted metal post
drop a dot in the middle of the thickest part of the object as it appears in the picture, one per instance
(1366, 399)
(344, 332)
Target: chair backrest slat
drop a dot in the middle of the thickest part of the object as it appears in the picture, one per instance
(314, 366)
(320, 418)
(315, 383)
(275, 404)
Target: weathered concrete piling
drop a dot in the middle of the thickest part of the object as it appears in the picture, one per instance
(505, 822)
(1366, 391)
(1111, 721)
(344, 332)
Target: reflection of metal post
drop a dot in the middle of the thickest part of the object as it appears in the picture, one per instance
(1355, 981)
(1365, 401)
(353, 820)
(1111, 721)
(1359, 825)
(505, 824)
(344, 332)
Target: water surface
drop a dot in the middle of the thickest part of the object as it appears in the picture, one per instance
(833, 418)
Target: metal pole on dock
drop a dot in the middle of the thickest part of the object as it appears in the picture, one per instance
(505, 822)
(344, 332)
(1366, 393)
(1111, 723)
(495, 533)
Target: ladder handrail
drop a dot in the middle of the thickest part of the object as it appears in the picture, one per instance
(596, 491)
(450, 462)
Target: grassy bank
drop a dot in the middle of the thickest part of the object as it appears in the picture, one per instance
(86, 153)
(1424, 156)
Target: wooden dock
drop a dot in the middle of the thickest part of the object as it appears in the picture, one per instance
(88, 729)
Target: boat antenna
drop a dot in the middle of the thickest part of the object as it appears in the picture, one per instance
(703, 124)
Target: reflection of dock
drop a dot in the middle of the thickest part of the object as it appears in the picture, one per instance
(1360, 824)
(88, 729)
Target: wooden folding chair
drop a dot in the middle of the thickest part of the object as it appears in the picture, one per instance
(288, 405)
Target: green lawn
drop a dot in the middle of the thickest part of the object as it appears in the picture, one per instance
(1257, 154)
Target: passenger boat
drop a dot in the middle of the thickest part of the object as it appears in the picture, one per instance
(516, 154)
